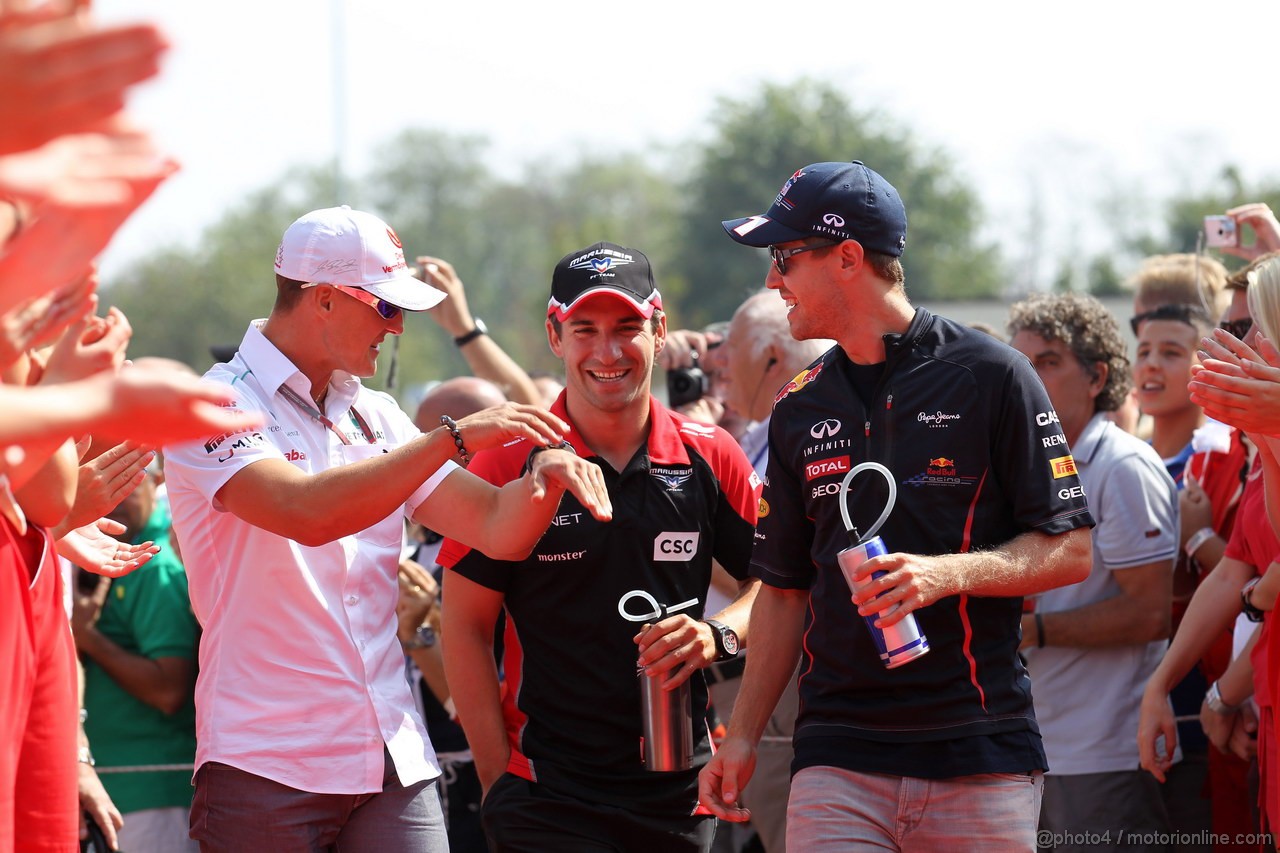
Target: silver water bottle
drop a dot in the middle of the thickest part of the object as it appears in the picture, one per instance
(668, 725)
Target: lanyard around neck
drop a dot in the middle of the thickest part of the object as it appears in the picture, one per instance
(305, 405)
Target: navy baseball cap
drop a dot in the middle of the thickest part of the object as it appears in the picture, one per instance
(840, 201)
(603, 268)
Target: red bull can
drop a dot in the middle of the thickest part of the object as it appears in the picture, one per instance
(897, 643)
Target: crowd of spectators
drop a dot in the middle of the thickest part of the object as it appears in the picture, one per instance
(1153, 677)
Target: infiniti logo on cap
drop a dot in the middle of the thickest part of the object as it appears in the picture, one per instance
(834, 219)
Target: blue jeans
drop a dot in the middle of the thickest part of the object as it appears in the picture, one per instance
(838, 810)
(234, 811)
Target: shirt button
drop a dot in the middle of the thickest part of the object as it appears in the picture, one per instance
(352, 599)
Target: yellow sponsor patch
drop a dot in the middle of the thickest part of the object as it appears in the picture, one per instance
(763, 509)
(1063, 466)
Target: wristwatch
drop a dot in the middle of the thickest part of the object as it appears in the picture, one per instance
(1251, 613)
(423, 638)
(479, 329)
(1213, 698)
(726, 638)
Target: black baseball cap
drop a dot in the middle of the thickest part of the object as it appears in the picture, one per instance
(604, 268)
(841, 201)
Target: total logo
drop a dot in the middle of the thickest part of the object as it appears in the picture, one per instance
(295, 456)
(826, 467)
(1046, 418)
(825, 429)
(675, 547)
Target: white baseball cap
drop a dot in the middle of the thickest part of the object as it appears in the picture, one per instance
(338, 245)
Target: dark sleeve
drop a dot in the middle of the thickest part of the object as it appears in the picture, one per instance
(1031, 459)
(784, 533)
(499, 467)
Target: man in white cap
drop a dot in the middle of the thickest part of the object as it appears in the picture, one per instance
(307, 738)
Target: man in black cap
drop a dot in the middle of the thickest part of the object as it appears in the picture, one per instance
(558, 745)
(940, 751)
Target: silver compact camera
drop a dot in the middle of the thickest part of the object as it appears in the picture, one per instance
(1220, 232)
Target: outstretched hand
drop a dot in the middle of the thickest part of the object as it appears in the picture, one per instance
(498, 425)
(92, 547)
(555, 471)
(1238, 385)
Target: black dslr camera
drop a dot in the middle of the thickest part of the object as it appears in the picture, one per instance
(687, 384)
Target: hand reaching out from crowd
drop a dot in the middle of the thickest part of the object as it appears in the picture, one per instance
(94, 345)
(1259, 217)
(1237, 384)
(62, 240)
(93, 548)
(81, 170)
(60, 74)
(453, 314)
(41, 319)
(105, 480)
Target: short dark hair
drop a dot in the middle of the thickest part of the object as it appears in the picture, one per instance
(887, 267)
(1086, 326)
(654, 319)
(288, 293)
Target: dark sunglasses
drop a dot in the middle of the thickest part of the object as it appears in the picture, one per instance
(1192, 315)
(385, 309)
(1240, 328)
(780, 255)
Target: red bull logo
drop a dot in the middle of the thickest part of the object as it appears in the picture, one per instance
(941, 466)
(801, 380)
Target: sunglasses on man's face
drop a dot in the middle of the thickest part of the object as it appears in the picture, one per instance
(385, 309)
(1240, 328)
(1189, 314)
(780, 255)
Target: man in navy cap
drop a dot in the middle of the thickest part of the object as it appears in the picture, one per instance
(940, 751)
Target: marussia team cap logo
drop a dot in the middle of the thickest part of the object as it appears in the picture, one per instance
(608, 269)
(839, 201)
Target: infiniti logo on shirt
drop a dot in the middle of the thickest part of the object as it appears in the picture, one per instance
(825, 429)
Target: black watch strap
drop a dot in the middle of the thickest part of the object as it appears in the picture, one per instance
(1251, 613)
(726, 638)
(479, 329)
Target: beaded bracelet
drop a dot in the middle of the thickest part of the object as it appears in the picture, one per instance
(452, 426)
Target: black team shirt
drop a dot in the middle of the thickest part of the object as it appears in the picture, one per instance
(571, 698)
(967, 429)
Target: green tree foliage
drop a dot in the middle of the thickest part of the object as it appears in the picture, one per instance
(505, 234)
(183, 300)
(756, 143)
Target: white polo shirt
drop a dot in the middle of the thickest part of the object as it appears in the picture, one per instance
(301, 679)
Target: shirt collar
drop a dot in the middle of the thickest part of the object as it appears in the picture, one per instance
(663, 446)
(1087, 444)
(272, 368)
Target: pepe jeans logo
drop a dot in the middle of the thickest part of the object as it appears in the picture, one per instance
(936, 420)
(834, 219)
(825, 429)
